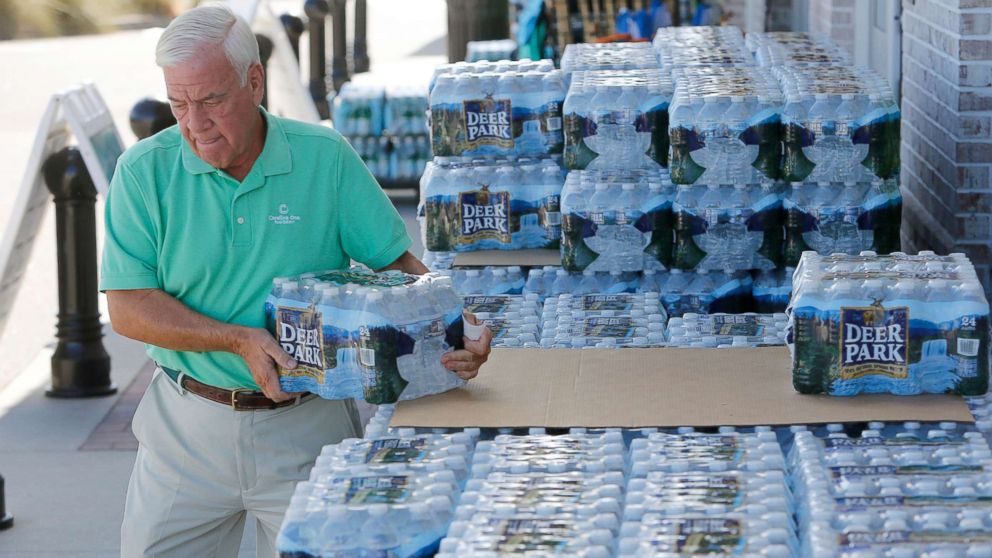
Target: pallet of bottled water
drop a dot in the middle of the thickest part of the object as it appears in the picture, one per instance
(497, 109)
(359, 334)
(386, 496)
(491, 204)
(894, 490)
(513, 320)
(839, 123)
(608, 56)
(691, 493)
(620, 219)
(723, 227)
(784, 48)
(713, 331)
(358, 110)
(897, 324)
(772, 289)
(701, 46)
(617, 119)
(399, 158)
(541, 495)
(842, 218)
(724, 125)
(603, 321)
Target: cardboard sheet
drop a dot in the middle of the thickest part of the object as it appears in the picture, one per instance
(529, 258)
(654, 387)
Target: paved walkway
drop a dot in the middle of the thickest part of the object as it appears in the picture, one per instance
(66, 463)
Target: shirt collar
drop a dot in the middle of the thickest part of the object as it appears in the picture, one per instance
(275, 158)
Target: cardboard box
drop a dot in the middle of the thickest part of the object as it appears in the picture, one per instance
(523, 258)
(632, 388)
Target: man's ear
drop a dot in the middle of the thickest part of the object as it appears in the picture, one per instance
(256, 80)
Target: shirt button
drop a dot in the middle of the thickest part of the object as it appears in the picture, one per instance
(241, 220)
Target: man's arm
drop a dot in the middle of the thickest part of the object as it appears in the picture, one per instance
(152, 316)
(407, 263)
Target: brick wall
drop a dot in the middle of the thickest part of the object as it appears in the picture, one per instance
(947, 128)
(834, 18)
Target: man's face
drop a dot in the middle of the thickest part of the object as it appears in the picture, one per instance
(217, 116)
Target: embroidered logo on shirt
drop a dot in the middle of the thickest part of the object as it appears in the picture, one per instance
(284, 217)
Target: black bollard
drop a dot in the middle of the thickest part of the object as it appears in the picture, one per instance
(339, 26)
(264, 53)
(80, 365)
(6, 520)
(317, 11)
(294, 30)
(150, 116)
(360, 51)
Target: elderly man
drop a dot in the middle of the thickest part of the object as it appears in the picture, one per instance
(199, 220)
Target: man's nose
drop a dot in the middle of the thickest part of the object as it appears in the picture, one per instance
(198, 119)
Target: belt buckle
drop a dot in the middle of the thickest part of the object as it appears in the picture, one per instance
(234, 396)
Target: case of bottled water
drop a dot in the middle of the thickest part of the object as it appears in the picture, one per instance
(604, 329)
(678, 47)
(514, 320)
(707, 494)
(772, 289)
(368, 511)
(404, 110)
(419, 453)
(617, 119)
(491, 204)
(617, 220)
(783, 48)
(493, 51)
(767, 535)
(840, 123)
(704, 292)
(492, 110)
(720, 228)
(727, 451)
(360, 334)
(845, 218)
(614, 57)
(490, 280)
(725, 125)
(897, 324)
(542, 453)
(727, 330)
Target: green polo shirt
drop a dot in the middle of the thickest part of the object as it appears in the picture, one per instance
(177, 224)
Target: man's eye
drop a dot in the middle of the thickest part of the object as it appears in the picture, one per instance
(179, 106)
(211, 103)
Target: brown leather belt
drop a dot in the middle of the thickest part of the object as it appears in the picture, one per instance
(240, 399)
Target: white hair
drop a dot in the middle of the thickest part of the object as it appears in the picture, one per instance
(205, 26)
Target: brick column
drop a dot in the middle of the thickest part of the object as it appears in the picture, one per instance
(947, 128)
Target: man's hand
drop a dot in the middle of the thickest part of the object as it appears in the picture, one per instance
(263, 355)
(466, 362)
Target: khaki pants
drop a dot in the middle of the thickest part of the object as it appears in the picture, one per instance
(201, 466)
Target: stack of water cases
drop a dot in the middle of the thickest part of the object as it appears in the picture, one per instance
(514, 320)
(727, 330)
(541, 495)
(840, 149)
(495, 203)
(603, 321)
(905, 490)
(715, 494)
(490, 280)
(899, 324)
(386, 128)
(360, 334)
(385, 496)
(617, 119)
